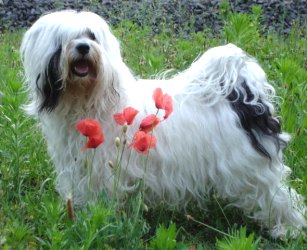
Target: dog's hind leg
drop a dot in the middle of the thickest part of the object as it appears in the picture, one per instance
(258, 187)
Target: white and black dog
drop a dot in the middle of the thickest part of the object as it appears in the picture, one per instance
(222, 136)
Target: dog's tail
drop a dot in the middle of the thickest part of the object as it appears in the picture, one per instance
(227, 74)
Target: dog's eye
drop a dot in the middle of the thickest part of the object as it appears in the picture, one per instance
(91, 35)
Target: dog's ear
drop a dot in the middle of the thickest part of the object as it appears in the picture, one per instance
(255, 118)
(52, 85)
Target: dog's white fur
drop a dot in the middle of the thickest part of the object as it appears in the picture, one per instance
(201, 148)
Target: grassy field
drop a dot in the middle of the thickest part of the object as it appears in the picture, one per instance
(32, 215)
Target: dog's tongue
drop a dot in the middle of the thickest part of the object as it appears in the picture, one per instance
(81, 67)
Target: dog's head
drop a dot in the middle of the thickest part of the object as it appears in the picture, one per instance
(68, 53)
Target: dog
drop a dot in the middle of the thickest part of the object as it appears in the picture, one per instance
(221, 138)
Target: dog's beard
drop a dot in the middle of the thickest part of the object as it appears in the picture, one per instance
(81, 81)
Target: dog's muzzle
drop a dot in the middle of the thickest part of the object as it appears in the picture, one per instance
(81, 66)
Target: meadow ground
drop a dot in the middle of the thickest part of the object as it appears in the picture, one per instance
(32, 215)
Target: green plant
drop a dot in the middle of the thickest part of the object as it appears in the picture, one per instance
(165, 238)
(238, 241)
(243, 29)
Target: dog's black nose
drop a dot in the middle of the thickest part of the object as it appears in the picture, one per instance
(83, 48)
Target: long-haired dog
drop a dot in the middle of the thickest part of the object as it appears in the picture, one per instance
(222, 136)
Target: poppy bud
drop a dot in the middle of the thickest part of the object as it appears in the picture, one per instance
(125, 128)
(117, 142)
(145, 207)
(189, 217)
(111, 164)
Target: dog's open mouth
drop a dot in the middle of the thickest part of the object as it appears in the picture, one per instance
(81, 67)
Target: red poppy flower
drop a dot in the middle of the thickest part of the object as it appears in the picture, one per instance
(88, 127)
(149, 122)
(158, 98)
(142, 142)
(126, 117)
(94, 141)
(163, 101)
(91, 129)
(167, 105)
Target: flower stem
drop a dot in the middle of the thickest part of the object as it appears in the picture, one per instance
(189, 217)
(118, 162)
(89, 173)
(146, 161)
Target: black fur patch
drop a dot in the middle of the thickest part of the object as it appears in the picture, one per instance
(52, 87)
(255, 118)
(91, 35)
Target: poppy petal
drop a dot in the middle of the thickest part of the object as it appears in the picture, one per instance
(88, 127)
(149, 122)
(158, 98)
(119, 118)
(167, 105)
(142, 142)
(94, 141)
(129, 114)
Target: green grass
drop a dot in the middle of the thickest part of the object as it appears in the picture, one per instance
(32, 215)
